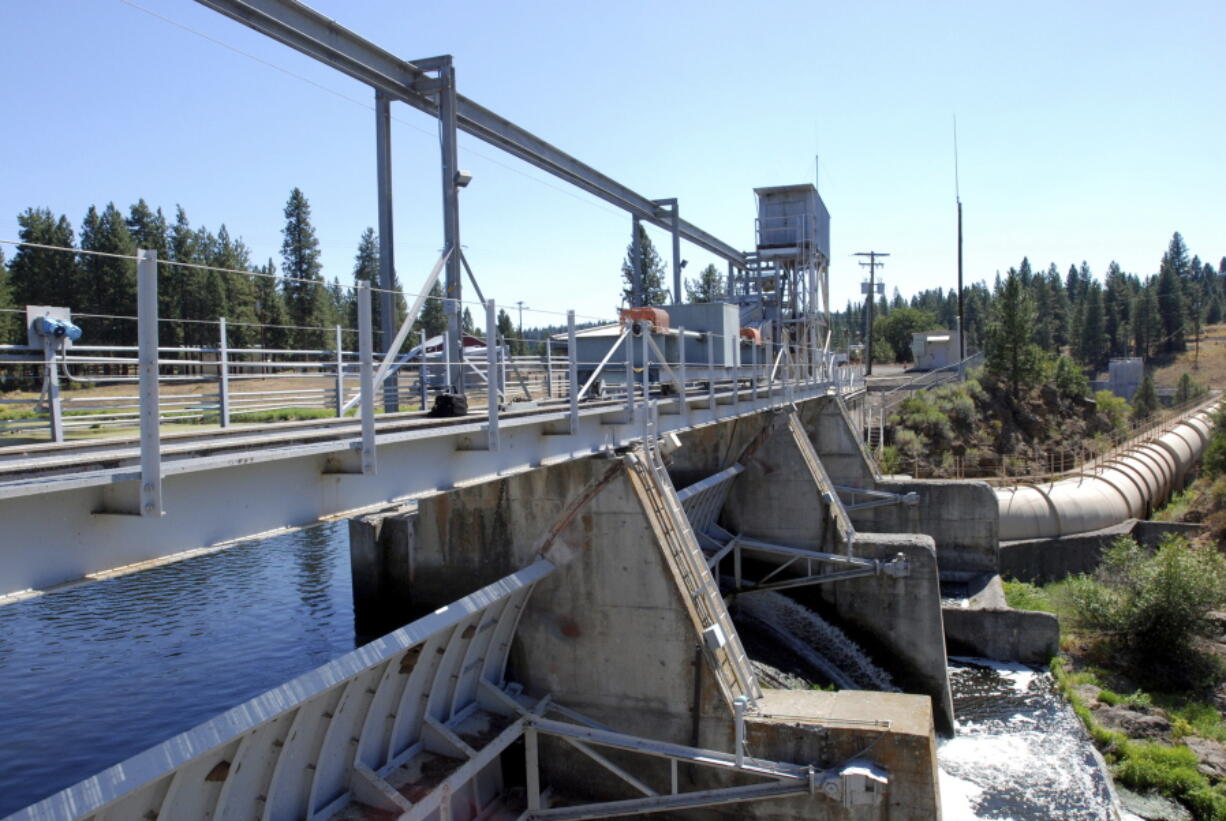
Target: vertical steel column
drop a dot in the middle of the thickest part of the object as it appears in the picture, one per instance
(532, 779)
(366, 371)
(147, 340)
(646, 368)
(51, 378)
(387, 259)
(731, 279)
(447, 359)
(710, 371)
(424, 370)
(451, 221)
(223, 384)
(629, 343)
(548, 366)
(636, 260)
(572, 371)
(340, 374)
(769, 357)
(685, 405)
(677, 296)
(491, 373)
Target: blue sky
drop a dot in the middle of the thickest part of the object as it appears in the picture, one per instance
(1086, 130)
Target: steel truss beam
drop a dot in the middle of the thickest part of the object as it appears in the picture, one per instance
(310, 32)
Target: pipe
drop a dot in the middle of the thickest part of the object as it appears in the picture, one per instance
(1126, 486)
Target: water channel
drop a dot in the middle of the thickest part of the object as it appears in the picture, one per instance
(96, 673)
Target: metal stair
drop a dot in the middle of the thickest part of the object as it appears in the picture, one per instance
(689, 566)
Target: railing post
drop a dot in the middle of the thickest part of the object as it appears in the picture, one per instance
(147, 341)
(629, 344)
(646, 370)
(223, 364)
(491, 373)
(447, 359)
(753, 372)
(51, 377)
(711, 371)
(548, 366)
(572, 371)
(685, 405)
(425, 374)
(340, 374)
(366, 371)
(770, 370)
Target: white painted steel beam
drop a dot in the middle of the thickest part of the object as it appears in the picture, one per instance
(288, 478)
(310, 32)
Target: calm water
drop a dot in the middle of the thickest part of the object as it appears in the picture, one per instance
(92, 675)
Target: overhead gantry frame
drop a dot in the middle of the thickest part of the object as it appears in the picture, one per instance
(429, 85)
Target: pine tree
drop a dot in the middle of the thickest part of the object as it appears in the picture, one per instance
(1146, 321)
(110, 283)
(38, 276)
(232, 255)
(707, 287)
(466, 322)
(366, 268)
(1060, 307)
(1171, 310)
(651, 268)
(506, 330)
(1116, 301)
(1146, 401)
(306, 299)
(1092, 339)
(433, 317)
(10, 322)
(1011, 355)
(270, 310)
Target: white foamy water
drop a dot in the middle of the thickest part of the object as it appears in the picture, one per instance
(1020, 752)
(813, 639)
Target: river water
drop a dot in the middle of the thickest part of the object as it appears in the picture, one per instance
(92, 675)
(96, 673)
(1020, 751)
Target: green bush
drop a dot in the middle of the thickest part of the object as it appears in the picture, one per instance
(1114, 408)
(1188, 389)
(921, 415)
(891, 461)
(1153, 606)
(909, 444)
(1214, 463)
(1070, 380)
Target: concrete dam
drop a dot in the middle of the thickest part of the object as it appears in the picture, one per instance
(653, 569)
(572, 646)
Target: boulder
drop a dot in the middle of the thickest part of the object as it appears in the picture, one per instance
(1135, 720)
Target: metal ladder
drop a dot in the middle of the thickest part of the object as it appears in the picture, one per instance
(732, 667)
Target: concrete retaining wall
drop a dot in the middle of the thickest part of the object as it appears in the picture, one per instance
(1040, 561)
(1003, 634)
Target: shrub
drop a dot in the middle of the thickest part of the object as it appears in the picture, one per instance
(1114, 408)
(1153, 606)
(1214, 463)
(1188, 389)
(1070, 381)
(920, 415)
(910, 444)
(1146, 400)
(891, 462)
(957, 405)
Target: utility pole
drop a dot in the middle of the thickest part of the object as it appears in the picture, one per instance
(958, 198)
(872, 266)
(520, 332)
